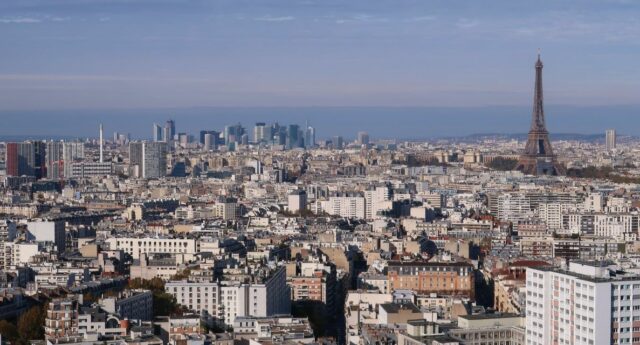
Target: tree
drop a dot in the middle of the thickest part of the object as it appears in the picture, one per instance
(503, 164)
(30, 323)
(163, 303)
(184, 274)
(9, 331)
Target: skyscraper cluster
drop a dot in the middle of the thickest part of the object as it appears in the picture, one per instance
(288, 137)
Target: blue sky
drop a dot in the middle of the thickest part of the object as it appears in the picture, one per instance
(96, 54)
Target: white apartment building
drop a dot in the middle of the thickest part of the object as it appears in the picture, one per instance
(7, 235)
(226, 208)
(594, 202)
(611, 225)
(135, 246)
(297, 200)
(345, 206)
(375, 200)
(86, 169)
(584, 304)
(200, 297)
(48, 231)
(130, 304)
(514, 208)
(551, 214)
(228, 299)
(19, 254)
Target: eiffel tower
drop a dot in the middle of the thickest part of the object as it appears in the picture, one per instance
(538, 157)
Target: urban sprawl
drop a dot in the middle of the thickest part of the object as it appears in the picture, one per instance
(269, 235)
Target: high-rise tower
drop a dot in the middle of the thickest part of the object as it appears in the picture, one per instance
(538, 157)
(610, 139)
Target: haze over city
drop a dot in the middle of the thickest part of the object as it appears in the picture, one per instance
(104, 59)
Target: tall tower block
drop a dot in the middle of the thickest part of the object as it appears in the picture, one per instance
(101, 144)
(538, 157)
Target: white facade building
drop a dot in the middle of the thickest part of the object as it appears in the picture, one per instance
(345, 206)
(227, 299)
(297, 201)
(135, 246)
(582, 305)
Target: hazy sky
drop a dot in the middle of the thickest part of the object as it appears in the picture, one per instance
(83, 54)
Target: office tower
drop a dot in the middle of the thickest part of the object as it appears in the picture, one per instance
(268, 134)
(538, 157)
(40, 159)
(20, 159)
(610, 139)
(588, 303)
(292, 136)
(54, 160)
(205, 132)
(135, 158)
(154, 164)
(123, 139)
(148, 159)
(233, 133)
(229, 134)
(209, 142)
(170, 130)
(300, 142)
(183, 139)
(337, 142)
(275, 134)
(71, 153)
(116, 136)
(363, 138)
(259, 132)
(158, 133)
(244, 139)
(310, 137)
(278, 134)
(101, 144)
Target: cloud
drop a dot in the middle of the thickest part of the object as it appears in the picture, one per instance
(569, 26)
(464, 23)
(362, 18)
(59, 19)
(100, 78)
(32, 20)
(275, 19)
(421, 19)
(19, 20)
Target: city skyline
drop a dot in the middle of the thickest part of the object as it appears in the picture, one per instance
(408, 123)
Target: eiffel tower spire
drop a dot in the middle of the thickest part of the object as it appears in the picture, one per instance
(538, 157)
(537, 121)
